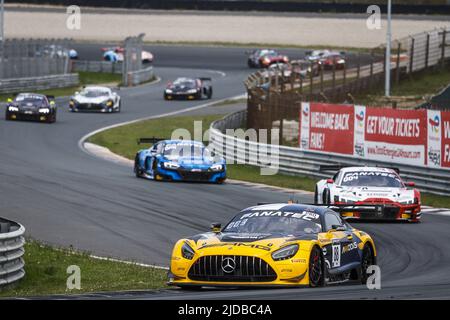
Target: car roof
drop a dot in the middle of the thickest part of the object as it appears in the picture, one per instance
(294, 207)
(368, 169)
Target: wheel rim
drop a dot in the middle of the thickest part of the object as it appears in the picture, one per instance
(315, 268)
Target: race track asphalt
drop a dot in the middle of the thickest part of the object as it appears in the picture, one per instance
(64, 196)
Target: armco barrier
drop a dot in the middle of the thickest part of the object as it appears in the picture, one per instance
(39, 83)
(295, 161)
(137, 77)
(96, 66)
(11, 252)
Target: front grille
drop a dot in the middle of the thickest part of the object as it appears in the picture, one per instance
(246, 269)
(89, 106)
(195, 176)
(389, 212)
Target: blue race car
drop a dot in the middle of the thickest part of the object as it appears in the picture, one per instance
(179, 160)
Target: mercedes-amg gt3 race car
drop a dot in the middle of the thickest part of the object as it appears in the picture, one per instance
(179, 160)
(189, 88)
(274, 245)
(31, 106)
(368, 186)
(95, 99)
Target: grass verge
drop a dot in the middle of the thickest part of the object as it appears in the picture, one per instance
(122, 141)
(46, 273)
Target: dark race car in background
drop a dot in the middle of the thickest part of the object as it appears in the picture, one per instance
(263, 58)
(179, 160)
(189, 88)
(31, 106)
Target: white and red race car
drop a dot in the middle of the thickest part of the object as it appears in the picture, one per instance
(359, 186)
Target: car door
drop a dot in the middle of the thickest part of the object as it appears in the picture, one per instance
(341, 249)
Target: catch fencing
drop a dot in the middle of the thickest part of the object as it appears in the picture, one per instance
(22, 58)
(11, 252)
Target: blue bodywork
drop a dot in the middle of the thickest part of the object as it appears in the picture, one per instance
(165, 161)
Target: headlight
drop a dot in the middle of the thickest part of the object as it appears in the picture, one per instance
(285, 253)
(192, 91)
(72, 102)
(44, 110)
(13, 109)
(187, 252)
(109, 103)
(168, 91)
(217, 167)
(171, 165)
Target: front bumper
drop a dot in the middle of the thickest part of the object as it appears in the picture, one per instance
(27, 116)
(190, 175)
(387, 211)
(90, 107)
(181, 96)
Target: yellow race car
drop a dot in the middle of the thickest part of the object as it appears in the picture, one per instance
(281, 244)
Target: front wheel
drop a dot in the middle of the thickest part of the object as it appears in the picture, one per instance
(316, 196)
(366, 261)
(316, 268)
(326, 197)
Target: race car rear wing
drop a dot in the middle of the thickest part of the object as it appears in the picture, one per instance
(337, 167)
(151, 140)
(205, 79)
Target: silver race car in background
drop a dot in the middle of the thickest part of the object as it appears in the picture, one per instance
(95, 99)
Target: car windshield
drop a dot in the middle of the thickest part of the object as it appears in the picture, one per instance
(188, 83)
(371, 179)
(271, 53)
(94, 93)
(178, 150)
(275, 222)
(34, 100)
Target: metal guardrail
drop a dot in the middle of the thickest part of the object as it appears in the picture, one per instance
(294, 161)
(96, 66)
(137, 77)
(11, 252)
(39, 83)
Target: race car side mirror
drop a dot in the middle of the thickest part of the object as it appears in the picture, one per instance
(410, 184)
(336, 227)
(216, 227)
(330, 180)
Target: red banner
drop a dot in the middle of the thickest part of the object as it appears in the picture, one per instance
(445, 140)
(405, 127)
(331, 128)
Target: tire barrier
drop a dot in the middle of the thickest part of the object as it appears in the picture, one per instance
(11, 252)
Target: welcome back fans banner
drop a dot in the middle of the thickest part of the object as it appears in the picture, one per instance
(417, 137)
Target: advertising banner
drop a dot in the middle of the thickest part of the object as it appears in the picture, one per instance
(434, 132)
(330, 128)
(396, 135)
(445, 138)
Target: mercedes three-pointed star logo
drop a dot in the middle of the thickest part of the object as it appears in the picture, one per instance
(228, 265)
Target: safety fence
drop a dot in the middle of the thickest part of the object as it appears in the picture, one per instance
(11, 252)
(295, 161)
(13, 86)
(275, 95)
(21, 58)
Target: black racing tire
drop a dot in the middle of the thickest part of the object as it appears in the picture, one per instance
(136, 169)
(326, 197)
(210, 93)
(316, 268)
(367, 260)
(316, 195)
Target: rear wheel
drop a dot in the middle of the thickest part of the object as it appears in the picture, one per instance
(210, 93)
(366, 261)
(316, 268)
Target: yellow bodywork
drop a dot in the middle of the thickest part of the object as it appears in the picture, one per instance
(289, 272)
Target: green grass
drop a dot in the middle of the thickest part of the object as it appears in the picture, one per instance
(417, 85)
(86, 78)
(46, 273)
